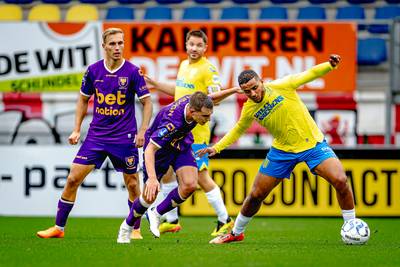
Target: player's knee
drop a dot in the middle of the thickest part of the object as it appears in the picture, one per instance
(73, 182)
(132, 186)
(188, 188)
(257, 196)
(340, 183)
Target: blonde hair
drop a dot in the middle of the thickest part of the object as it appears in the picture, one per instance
(111, 31)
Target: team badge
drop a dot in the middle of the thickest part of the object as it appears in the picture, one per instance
(130, 162)
(123, 82)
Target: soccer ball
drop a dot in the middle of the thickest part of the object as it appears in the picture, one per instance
(355, 232)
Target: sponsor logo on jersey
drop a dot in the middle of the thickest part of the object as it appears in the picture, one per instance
(268, 108)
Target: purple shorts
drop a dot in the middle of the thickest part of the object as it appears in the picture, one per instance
(176, 159)
(124, 157)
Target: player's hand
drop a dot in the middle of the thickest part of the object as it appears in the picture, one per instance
(211, 152)
(139, 138)
(149, 81)
(73, 139)
(239, 90)
(334, 60)
(152, 187)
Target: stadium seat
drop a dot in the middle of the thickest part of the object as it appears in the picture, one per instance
(65, 122)
(120, 13)
(196, 13)
(34, 131)
(131, 1)
(93, 1)
(208, 1)
(283, 1)
(240, 2)
(384, 13)
(393, 1)
(353, 12)
(311, 12)
(19, 2)
(10, 12)
(9, 123)
(371, 51)
(158, 13)
(317, 2)
(45, 12)
(82, 13)
(235, 12)
(166, 2)
(57, 2)
(273, 13)
(356, 2)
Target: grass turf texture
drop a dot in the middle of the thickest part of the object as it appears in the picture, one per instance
(269, 241)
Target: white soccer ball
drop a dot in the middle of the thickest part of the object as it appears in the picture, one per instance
(355, 232)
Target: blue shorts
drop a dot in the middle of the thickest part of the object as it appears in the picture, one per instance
(280, 164)
(124, 157)
(202, 163)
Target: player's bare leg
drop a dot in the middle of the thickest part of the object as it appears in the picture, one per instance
(187, 176)
(133, 187)
(213, 194)
(331, 170)
(262, 186)
(75, 178)
(171, 224)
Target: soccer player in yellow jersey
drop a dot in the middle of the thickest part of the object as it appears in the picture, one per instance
(195, 74)
(277, 106)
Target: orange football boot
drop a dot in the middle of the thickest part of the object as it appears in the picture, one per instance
(52, 232)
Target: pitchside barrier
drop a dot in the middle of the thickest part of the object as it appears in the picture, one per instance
(32, 178)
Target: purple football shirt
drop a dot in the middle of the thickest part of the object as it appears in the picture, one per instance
(114, 101)
(170, 130)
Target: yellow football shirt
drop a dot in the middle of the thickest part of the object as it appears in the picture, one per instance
(283, 113)
(199, 76)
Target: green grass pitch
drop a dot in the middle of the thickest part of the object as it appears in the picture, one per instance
(269, 242)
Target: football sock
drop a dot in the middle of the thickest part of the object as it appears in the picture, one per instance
(348, 214)
(165, 190)
(64, 208)
(139, 207)
(241, 222)
(215, 199)
(173, 200)
(137, 222)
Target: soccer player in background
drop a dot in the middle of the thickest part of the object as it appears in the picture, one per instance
(168, 143)
(113, 132)
(195, 74)
(277, 107)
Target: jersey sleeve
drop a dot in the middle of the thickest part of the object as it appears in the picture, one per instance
(212, 80)
(234, 134)
(87, 87)
(294, 81)
(163, 135)
(139, 84)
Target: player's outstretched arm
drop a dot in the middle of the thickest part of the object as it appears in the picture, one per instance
(315, 72)
(80, 113)
(167, 88)
(210, 150)
(221, 95)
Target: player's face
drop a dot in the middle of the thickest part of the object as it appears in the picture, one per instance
(114, 46)
(202, 116)
(254, 89)
(195, 48)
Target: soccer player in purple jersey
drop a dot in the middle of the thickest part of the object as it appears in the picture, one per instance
(113, 132)
(168, 143)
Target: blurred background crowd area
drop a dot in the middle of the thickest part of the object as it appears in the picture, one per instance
(348, 119)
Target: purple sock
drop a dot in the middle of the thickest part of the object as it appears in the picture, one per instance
(136, 213)
(137, 222)
(64, 208)
(170, 202)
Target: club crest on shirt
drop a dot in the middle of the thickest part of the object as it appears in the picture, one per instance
(123, 82)
(130, 162)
